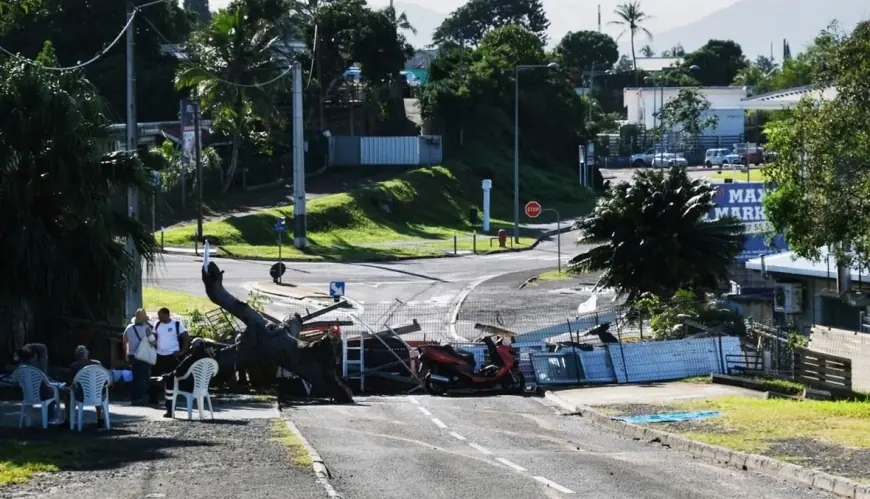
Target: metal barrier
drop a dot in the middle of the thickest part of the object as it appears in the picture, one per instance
(558, 368)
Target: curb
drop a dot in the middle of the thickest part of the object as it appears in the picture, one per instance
(836, 485)
(320, 469)
(293, 297)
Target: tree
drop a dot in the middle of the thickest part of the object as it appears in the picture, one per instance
(675, 51)
(63, 221)
(822, 172)
(687, 113)
(647, 51)
(631, 19)
(468, 24)
(652, 236)
(199, 8)
(718, 61)
(232, 58)
(583, 50)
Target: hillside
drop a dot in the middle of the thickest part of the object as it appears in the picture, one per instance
(755, 24)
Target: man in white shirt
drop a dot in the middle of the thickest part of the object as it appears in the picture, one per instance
(172, 342)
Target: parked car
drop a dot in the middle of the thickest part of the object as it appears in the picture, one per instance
(715, 157)
(667, 159)
(643, 159)
(748, 154)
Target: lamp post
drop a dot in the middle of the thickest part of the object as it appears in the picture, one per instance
(521, 67)
(694, 68)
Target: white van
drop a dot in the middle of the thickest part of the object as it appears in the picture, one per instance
(715, 157)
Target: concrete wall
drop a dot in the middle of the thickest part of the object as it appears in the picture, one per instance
(725, 102)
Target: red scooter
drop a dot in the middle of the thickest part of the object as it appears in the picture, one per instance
(451, 369)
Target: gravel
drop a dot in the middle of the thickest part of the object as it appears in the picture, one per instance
(197, 459)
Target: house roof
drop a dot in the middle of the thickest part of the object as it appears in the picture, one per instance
(789, 264)
(787, 99)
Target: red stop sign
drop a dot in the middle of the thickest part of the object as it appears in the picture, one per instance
(533, 209)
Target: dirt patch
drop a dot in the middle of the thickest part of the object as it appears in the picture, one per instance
(700, 425)
(830, 458)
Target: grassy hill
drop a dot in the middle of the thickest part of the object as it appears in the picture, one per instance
(418, 213)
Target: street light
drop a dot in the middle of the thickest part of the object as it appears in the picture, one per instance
(521, 67)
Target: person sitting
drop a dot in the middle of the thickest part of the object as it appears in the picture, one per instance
(82, 361)
(33, 354)
(197, 351)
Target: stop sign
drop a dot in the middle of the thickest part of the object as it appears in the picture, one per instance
(533, 209)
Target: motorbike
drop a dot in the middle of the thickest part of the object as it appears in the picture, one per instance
(450, 369)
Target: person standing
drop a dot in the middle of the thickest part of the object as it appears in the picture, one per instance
(172, 342)
(138, 331)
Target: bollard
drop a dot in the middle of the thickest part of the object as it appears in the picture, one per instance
(162, 248)
(454, 245)
(502, 238)
(474, 242)
(195, 245)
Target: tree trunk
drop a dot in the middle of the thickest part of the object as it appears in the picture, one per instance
(315, 362)
(234, 162)
(634, 61)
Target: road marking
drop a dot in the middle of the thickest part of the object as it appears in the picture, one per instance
(509, 464)
(439, 423)
(457, 436)
(553, 485)
(414, 400)
(424, 410)
(484, 450)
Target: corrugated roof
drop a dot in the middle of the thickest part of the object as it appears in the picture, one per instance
(789, 264)
(787, 99)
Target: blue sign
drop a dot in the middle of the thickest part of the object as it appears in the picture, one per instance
(279, 225)
(336, 288)
(743, 201)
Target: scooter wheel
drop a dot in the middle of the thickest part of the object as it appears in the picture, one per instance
(517, 386)
(434, 387)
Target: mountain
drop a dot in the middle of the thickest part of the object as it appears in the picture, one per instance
(755, 24)
(422, 19)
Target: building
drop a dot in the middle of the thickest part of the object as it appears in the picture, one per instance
(727, 103)
(786, 99)
(808, 292)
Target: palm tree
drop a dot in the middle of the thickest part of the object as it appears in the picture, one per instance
(630, 18)
(232, 58)
(652, 236)
(647, 51)
(63, 218)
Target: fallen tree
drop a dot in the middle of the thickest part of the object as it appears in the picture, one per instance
(314, 360)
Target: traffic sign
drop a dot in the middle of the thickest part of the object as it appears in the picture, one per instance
(279, 225)
(336, 289)
(533, 209)
(155, 179)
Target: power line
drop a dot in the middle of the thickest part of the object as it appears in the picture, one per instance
(210, 73)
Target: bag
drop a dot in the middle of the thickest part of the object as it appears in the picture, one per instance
(145, 351)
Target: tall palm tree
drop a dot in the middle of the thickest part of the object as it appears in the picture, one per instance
(652, 235)
(231, 59)
(63, 218)
(631, 19)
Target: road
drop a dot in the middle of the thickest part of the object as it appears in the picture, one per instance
(504, 447)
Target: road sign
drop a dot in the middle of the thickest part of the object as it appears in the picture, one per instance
(155, 179)
(533, 209)
(336, 289)
(280, 225)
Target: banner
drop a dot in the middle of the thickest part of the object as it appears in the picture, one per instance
(743, 201)
(188, 133)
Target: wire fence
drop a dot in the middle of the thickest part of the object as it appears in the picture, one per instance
(616, 150)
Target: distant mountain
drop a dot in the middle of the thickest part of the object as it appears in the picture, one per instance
(755, 24)
(423, 20)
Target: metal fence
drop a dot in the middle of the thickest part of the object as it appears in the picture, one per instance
(423, 150)
(616, 150)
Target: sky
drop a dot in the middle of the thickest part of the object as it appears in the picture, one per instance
(575, 15)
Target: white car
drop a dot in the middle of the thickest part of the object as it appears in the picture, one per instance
(716, 157)
(643, 159)
(667, 159)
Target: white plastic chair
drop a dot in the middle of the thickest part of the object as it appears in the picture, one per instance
(94, 381)
(31, 379)
(202, 371)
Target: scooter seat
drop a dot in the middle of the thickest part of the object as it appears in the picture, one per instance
(467, 356)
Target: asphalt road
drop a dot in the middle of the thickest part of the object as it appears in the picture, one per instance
(504, 447)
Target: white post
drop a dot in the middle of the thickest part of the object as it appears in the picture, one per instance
(299, 221)
(133, 295)
(487, 186)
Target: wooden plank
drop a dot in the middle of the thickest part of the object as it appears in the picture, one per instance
(822, 370)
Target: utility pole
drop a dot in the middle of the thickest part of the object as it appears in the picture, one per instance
(133, 294)
(197, 148)
(599, 18)
(299, 239)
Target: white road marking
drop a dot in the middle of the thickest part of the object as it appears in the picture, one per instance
(553, 485)
(439, 423)
(484, 450)
(509, 464)
(457, 436)
(414, 400)
(424, 410)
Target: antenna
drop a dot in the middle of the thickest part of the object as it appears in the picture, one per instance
(599, 18)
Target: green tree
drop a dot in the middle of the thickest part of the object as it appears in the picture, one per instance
(675, 51)
(199, 8)
(652, 236)
(63, 219)
(687, 113)
(631, 18)
(468, 24)
(647, 51)
(719, 61)
(822, 172)
(233, 59)
(581, 50)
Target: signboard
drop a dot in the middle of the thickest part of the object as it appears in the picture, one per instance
(533, 209)
(743, 201)
(188, 133)
(336, 289)
(280, 225)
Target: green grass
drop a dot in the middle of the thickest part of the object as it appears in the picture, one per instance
(177, 302)
(751, 424)
(553, 275)
(298, 453)
(755, 175)
(21, 458)
(428, 206)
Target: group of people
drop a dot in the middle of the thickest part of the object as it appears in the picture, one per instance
(176, 353)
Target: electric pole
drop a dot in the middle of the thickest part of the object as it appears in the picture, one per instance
(133, 294)
(299, 222)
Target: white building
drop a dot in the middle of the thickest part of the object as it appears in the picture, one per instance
(727, 103)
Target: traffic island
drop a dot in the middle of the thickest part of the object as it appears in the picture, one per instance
(821, 444)
(289, 290)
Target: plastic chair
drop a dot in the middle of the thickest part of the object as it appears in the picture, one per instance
(202, 371)
(31, 379)
(94, 381)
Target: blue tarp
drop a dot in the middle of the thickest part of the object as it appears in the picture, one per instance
(668, 417)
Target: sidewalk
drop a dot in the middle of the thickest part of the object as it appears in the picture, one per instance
(655, 393)
(171, 250)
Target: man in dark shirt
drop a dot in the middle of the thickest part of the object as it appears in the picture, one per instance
(82, 361)
(197, 351)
